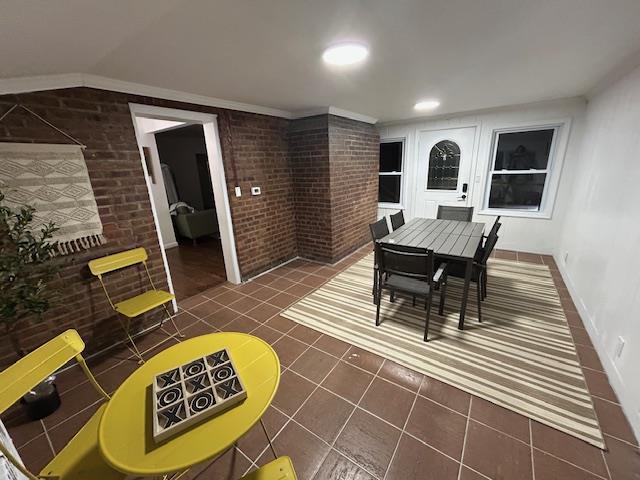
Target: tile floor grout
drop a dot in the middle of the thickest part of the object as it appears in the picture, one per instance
(464, 440)
(404, 426)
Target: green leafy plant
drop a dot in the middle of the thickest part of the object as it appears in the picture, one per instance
(27, 264)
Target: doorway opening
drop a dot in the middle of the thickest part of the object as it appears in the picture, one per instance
(182, 160)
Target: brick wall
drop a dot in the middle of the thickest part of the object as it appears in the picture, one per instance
(264, 225)
(319, 191)
(335, 170)
(354, 149)
(309, 158)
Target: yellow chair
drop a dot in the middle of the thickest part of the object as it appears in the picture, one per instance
(279, 469)
(80, 459)
(134, 306)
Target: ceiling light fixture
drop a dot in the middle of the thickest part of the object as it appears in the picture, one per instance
(345, 54)
(427, 105)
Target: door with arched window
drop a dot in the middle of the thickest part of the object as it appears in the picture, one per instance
(444, 167)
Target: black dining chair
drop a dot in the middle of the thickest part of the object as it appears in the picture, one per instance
(479, 270)
(378, 230)
(410, 271)
(462, 214)
(397, 220)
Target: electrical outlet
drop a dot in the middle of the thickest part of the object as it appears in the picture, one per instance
(255, 191)
(619, 347)
(238, 192)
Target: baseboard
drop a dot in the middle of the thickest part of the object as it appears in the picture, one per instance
(616, 381)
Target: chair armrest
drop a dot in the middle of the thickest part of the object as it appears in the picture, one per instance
(442, 270)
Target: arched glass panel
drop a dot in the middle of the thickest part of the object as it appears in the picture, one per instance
(444, 163)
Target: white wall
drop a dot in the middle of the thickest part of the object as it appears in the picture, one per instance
(601, 235)
(158, 191)
(537, 235)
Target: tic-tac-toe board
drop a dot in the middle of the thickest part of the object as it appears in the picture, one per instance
(194, 391)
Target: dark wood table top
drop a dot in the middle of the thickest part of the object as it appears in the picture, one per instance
(447, 238)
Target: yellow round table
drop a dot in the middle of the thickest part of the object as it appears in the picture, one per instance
(125, 432)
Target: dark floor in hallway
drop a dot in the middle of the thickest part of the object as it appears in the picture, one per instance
(196, 267)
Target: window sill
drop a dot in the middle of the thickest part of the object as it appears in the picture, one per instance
(394, 206)
(515, 213)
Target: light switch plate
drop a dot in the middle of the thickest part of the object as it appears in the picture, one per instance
(255, 191)
(238, 192)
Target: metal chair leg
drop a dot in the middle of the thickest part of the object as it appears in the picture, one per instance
(378, 297)
(480, 299)
(180, 334)
(484, 284)
(127, 331)
(374, 291)
(273, 450)
(426, 324)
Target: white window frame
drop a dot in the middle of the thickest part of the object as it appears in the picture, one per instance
(400, 204)
(554, 167)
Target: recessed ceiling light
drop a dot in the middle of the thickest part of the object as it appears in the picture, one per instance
(427, 105)
(345, 54)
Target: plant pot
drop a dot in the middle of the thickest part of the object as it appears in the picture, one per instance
(42, 400)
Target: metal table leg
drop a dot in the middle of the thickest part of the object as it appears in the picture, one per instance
(465, 292)
(273, 450)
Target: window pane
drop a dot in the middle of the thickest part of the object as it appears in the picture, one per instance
(391, 157)
(524, 150)
(521, 191)
(444, 162)
(389, 189)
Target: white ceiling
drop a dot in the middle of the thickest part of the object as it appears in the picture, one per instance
(469, 54)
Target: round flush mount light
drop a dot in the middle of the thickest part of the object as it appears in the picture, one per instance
(426, 105)
(345, 54)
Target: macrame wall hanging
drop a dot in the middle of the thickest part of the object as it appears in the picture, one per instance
(52, 178)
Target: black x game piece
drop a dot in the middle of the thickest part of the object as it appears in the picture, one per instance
(172, 415)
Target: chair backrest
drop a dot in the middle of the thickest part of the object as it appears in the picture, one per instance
(406, 261)
(117, 261)
(397, 220)
(17, 380)
(379, 229)
(492, 239)
(33, 368)
(496, 226)
(462, 214)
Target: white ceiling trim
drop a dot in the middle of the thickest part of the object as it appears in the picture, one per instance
(335, 111)
(71, 80)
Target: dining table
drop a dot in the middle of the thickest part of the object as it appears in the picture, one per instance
(450, 240)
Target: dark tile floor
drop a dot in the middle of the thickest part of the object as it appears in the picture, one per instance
(343, 413)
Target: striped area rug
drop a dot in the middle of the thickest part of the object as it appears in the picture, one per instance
(521, 356)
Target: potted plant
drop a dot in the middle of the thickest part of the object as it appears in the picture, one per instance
(27, 264)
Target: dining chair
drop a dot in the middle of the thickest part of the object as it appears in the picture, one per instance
(139, 304)
(397, 220)
(478, 272)
(379, 229)
(410, 271)
(462, 214)
(79, 459)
